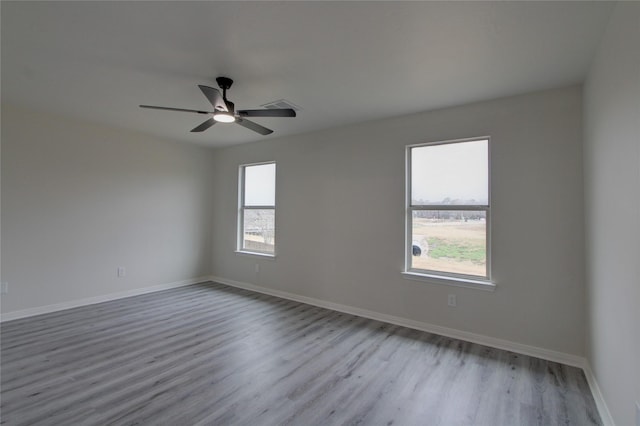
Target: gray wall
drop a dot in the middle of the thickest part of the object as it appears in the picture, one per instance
(79, 200)
(612, 200)
(340, 219)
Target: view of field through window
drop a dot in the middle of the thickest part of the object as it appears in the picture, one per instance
(259, 230)
(257, 209)
(449, 204)
(450, 241)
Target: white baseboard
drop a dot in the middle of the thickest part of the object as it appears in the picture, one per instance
(603, 409)
(98, 299)
(520, 348)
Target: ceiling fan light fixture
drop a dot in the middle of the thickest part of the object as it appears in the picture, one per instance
(224, 117)
(224, 111)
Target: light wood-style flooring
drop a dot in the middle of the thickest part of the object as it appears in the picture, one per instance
(209, 354)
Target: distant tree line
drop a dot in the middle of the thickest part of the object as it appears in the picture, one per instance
(450, 214)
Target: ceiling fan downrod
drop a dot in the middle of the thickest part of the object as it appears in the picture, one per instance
(224, 83)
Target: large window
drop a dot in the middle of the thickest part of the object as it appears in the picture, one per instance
(448, 209)
(257, 208)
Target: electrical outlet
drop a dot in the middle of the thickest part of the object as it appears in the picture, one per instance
(4, 287)
(122, 271)
(451, 300)
(257, 268)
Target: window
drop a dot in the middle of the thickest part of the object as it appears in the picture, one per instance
(257, 208)
(448, 209)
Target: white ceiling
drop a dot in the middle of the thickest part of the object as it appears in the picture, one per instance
(341, 62)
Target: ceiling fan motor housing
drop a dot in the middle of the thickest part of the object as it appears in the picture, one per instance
(224, 82)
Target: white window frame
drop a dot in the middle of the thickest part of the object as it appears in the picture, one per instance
(443, 277)
(241, 209)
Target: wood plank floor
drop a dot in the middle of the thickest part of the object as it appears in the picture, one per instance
(209, 354)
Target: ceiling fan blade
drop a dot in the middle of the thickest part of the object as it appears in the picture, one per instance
(214, 96)
(273, 112)
(204, 126)
(175, 109)
(253, 126)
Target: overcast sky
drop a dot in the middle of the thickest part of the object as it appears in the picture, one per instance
(456, 171)
(260, 185)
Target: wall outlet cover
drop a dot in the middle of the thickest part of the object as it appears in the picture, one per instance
(451, 300)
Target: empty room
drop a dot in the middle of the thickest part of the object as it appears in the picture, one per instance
(320, 213)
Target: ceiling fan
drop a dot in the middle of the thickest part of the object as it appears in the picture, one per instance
(224, 110)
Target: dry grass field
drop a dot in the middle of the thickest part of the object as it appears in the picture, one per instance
(256, 242)
(453, 246)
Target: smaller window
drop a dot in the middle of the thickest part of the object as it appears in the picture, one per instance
(257, 208)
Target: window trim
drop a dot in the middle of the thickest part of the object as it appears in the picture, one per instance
(443, 277)
(241, 208)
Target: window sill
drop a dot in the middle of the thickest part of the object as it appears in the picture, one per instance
(478, 284)
(255, 253)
